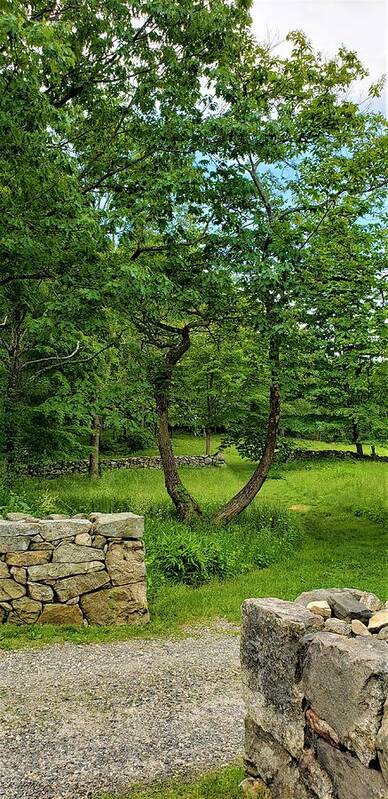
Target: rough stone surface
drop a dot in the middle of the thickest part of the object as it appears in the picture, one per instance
(383, 634)
(118, 525)
(125, 562)
(316, 701)
(323, 594)
(81, 584)
(370, 601)
(58, 560)
(322, 608)
(25, 611)
(345, 680)
(358, 628)
(10, 590)
(271, 635)
(56, 571)
(119, 605)
(378, 621)
(40, 592)
(73, 553)
(351, 779)
(35, 558)
(337, 626)
(348, 608)
(61, 614)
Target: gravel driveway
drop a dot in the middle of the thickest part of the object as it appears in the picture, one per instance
(77, 720)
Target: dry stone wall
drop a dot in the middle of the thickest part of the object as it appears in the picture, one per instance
(77, 571)
(315, 676)
(134, 462)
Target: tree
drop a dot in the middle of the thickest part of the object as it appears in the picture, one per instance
(292, 154)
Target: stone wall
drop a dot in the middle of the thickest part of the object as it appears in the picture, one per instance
(315, 676)
(79, 570)
(340, 454)
(136, 462)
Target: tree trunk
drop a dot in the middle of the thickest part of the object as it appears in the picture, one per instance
(373, 450)
(185, 504)
(356, 439)
(94, 457)
(244, 497)
(208, 441)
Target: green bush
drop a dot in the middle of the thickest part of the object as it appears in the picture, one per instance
(194, 555)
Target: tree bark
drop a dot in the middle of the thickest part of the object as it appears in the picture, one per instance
(244, 497)
(185, 505)
(356, 439)
(208, 441)
(94, 457)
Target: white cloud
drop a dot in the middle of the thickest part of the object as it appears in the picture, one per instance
(361, 25)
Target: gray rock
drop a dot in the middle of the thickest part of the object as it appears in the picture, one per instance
(42, 593)
(315, 778)
(9, 590)
(348, 608)
(371, 601)
(323, 594)
(351, 779)
(56, 571)
(126, 604)
(24, 611)
(382, 744)
(55, 529)
(383, 634)
(125, 562)
(118, 525)
(13, 543)
(81, 584)
(273, 763)
(83, 539)
(272, 633)
(99, 541)
(345, 681)
(73, 553)
(337, 626)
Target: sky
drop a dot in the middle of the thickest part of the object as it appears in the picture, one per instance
(359, 24)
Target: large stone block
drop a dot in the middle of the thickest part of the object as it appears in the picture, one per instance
(73, 553)
(35, 558)
(40, 592)
(61, 614)
(4, 570)
(345, 682)
(350, 778)
(124, 604)
(9, 590)
(272, 633)
(17, 543)
(382, 744)
(56, 529)
(56, 571)
(118, 525)
(273, 763)
(25, 611)
(125, 562)
(81, 584)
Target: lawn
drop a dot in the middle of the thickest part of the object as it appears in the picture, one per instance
(223, 783)
(340, 506)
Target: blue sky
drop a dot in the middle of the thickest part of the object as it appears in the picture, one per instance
(359, 24)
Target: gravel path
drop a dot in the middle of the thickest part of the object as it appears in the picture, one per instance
(76, 720)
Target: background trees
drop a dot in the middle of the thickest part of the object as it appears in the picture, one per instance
(192, 235)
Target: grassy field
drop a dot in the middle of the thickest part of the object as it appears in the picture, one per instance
(220, 784)
(340, 505)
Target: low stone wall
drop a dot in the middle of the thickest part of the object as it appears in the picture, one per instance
(79, 570)
(340, 454)
(315, 676)
(135, 462)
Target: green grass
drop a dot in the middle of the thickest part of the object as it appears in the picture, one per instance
(341, 505)
(220, 784)
(337, 445)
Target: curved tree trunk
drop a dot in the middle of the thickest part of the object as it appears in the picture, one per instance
(185, 505)
(244, 497)
(356, 439)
